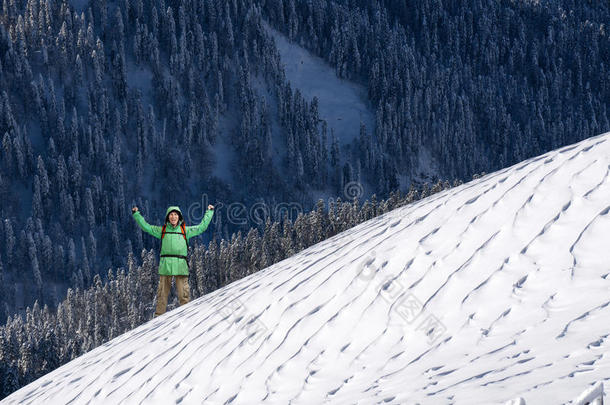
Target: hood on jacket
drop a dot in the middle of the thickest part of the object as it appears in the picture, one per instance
(174, 208)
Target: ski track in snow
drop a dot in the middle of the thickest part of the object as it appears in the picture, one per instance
(513, 265)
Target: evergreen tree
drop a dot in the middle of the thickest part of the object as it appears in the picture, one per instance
(10, 241)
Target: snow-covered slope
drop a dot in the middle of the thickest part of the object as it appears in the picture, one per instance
(495, 289)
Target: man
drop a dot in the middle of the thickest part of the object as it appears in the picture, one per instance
(174, 248)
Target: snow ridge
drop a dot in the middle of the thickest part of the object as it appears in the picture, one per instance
(480, 294)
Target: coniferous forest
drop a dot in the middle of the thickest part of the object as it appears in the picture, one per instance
(109, 104)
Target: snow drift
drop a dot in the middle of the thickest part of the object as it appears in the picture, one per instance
(489, 291)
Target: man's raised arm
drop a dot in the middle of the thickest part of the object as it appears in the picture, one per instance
(205, 222)
(146, 227)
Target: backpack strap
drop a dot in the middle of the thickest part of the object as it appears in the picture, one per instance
(183, 229)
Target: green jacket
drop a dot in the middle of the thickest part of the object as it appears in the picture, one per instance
(173, 243)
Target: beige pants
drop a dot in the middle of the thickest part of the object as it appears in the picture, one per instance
(165, 285)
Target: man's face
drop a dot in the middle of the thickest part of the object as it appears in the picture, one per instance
(173, 218)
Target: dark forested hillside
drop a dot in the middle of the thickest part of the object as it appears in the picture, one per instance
(121, 103)
(109, 104)
(480, 84)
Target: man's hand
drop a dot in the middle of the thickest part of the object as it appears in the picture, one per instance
(210, 207)
(134, 209)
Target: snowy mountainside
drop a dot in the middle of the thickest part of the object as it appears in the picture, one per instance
(485, 292)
